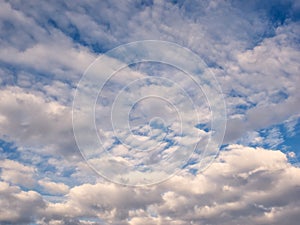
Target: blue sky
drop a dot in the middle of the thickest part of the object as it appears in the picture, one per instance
(149, 115)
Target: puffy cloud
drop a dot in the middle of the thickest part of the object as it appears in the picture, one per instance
(227, 42)
(30, 120)
(244, 186)
(17, 206)
(29, 46)
(53, 187)
(264, 92)
(17, 173)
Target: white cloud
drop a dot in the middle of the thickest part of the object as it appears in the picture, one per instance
(45, 46)
(53, 187)
(221, 40)
(29, 46)
(17, 206)
(265, 82)
(244, 185)
(30, 120)
(17, 173)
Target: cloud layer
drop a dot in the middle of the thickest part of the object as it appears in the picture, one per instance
(253, 50)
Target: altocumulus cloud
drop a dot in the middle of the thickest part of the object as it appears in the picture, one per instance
(252, 48)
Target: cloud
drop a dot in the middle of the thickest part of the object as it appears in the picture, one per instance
(41, 49)
(17, 173)
(245, 185)
(63, 46)
(251, 47)
(265, 84)
(29, 119)
(53, 187)
(17, 206)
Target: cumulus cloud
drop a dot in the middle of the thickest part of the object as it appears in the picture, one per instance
(29, 119)
(53, 187)
(17, 173)
(244, 186)
(17, 206)
(265, 90)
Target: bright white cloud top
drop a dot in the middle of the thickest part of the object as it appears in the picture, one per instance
(253, 50)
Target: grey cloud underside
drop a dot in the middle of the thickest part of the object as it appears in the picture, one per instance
(252, 48)
(256, 186)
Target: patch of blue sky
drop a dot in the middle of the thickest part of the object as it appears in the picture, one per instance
(279, 96)
(278, 137)
(116, 141)
(235, 93)
(170, 142)
(191, 161)
(142, 167)
(243, 108)
(43, 165)
(54, 174)
(67, 172)
(44, 169)
(158, 124)
(274, 13)
(291, 141)
(71, 30)
(37, 76)
(144, 133)
(9, 150)
(223, 147)
(277, 12)
(203, 126)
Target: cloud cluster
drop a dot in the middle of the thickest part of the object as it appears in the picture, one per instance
(17, 173)
(227, 35)
(17, 206)
(265, 91)
(244, 186)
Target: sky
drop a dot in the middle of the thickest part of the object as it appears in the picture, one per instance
(150, 112)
